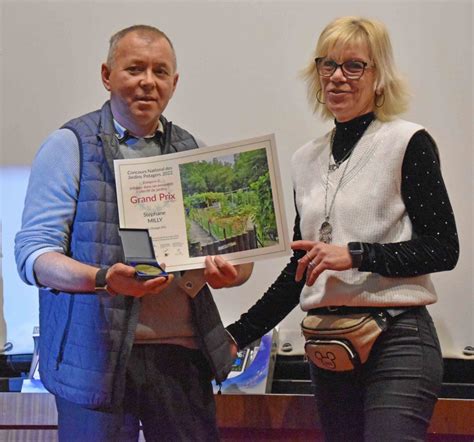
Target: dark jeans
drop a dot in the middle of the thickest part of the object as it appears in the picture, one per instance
(392, 396)
(168, 390)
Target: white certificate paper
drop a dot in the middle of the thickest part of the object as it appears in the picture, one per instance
(220, 200)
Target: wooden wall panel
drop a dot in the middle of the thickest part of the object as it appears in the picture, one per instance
(32, 417)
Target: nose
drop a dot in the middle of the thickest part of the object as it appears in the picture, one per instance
(338, 75)
(146, 80)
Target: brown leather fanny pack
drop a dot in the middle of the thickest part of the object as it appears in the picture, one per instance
(342, 342)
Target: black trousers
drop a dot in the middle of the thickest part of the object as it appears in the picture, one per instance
(392, 396)
(168, 390)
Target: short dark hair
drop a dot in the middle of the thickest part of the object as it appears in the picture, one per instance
(144, 31)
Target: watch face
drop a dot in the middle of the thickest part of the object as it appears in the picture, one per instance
(100, 281)
(356, 248)
(356, 251)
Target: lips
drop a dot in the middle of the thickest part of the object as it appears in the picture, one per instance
(145, 98)
(338, 92)
(338, 96)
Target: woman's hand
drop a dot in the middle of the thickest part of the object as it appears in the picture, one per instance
(319, 257)
(233, 350)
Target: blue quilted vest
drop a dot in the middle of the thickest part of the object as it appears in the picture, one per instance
(86, 339)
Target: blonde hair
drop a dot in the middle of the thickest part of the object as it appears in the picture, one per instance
(358, 30)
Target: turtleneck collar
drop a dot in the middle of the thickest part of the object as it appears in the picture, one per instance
(356, 123)
(348, 133)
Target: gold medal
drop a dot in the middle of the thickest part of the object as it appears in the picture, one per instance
(148, 269)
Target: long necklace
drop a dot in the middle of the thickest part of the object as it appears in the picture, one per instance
(325, 231)
(335, 166)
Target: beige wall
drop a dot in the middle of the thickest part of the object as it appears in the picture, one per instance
(239, 63)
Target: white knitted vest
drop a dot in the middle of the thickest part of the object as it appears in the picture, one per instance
(368, 207)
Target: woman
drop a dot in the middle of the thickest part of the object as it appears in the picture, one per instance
(373, 221)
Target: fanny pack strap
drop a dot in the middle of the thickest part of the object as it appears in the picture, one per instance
(345, 310)
(396, 311)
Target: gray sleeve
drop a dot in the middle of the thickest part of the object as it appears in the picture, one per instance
(50, 202)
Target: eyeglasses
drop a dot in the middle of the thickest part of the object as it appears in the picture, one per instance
(352, 69)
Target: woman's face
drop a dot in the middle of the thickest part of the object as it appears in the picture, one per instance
(347, 99)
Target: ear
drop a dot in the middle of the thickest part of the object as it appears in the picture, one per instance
(105, 73)
(175, 81)
(378, 87)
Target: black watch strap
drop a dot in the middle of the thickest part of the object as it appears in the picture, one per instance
(356, 251)
(100, 280)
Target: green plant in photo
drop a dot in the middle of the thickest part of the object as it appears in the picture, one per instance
(230, 196)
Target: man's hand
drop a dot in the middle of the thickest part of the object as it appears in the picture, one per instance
(319, 257)
(220, 273)
(121, 280)
(60, 272)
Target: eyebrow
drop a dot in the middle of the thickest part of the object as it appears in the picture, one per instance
(360, 60)
(141, 62)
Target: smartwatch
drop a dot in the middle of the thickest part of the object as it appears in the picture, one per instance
(356, 251)
(100, 281)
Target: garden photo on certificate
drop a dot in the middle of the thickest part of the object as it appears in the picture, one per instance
(228, 203)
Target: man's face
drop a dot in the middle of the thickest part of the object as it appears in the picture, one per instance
(141, 81)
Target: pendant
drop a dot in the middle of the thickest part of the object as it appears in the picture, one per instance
(325, 232)
(333, 167)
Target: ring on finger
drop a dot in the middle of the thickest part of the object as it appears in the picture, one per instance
(311, 264)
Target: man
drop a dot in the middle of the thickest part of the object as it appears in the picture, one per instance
(116, 350)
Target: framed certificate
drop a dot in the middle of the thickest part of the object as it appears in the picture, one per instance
(219, 200)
